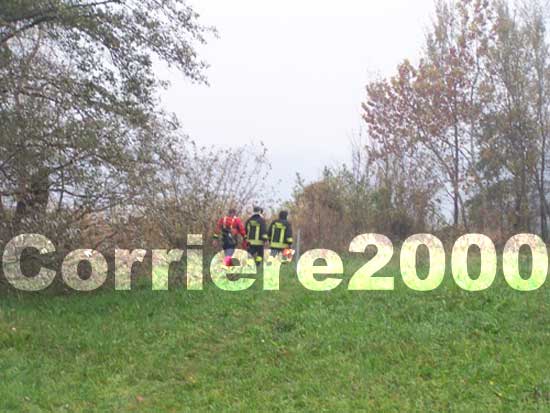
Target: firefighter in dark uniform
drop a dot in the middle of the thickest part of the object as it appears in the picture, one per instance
(280, 234)
(256, 235)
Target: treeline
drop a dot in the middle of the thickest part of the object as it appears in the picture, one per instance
(457, 142)
(87, 158)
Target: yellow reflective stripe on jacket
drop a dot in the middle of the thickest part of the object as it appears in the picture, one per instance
(282, 230)
(253, 238)
(280, 242)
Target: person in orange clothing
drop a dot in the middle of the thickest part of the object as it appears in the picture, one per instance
(228, 230)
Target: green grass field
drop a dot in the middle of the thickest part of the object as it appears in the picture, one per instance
(287, 351)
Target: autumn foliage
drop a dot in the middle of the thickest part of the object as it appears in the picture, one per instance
(456, 141)
(473, 114)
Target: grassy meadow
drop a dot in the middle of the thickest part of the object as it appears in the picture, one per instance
(286, 351)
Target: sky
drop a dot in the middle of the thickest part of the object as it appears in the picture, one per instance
(292, 74)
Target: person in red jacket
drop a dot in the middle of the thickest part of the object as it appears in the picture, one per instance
(228, 231)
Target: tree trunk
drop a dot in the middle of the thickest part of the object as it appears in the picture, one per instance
(456, 194)
(539, 179)
(542, 194)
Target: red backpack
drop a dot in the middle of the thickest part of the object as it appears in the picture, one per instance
(228, 236)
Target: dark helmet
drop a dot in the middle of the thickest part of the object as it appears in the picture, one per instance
(283, 215)
(258, 210)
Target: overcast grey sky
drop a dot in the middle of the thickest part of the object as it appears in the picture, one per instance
(292, 73)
